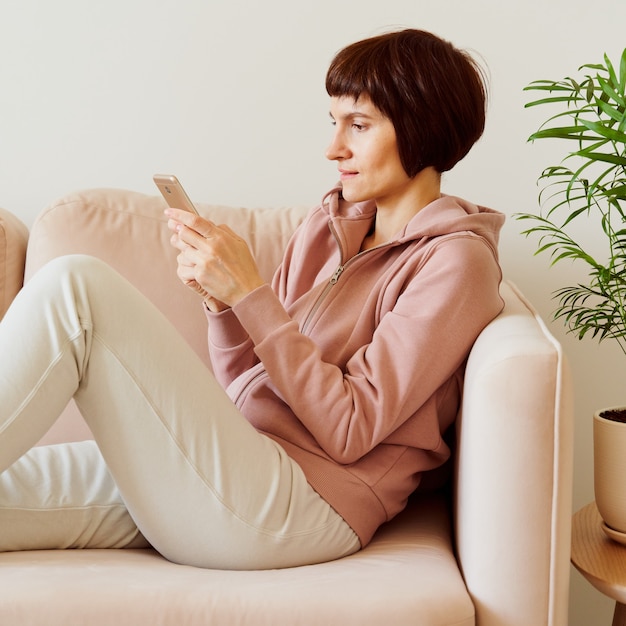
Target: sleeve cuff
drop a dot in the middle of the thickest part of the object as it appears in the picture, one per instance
(225, 331)
(261, 313)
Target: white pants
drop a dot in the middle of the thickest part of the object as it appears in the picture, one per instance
(174, 457)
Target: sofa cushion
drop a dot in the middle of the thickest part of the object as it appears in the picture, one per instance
(13, 240)
(128, 230)
(406, 575)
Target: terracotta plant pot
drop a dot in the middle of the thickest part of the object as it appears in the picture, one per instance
(609, 459)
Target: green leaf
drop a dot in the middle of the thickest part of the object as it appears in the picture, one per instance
(622, 72)
(611, 72)
(618, 192)
(602, 156)
(616, 114)
(548, 85)
(605, 131)
(551, 100)
(563, 132)
(609, 90)
(593, 66)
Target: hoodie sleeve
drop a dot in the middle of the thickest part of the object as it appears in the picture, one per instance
(230, 348)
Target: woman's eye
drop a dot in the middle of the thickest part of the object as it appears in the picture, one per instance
(358, 127)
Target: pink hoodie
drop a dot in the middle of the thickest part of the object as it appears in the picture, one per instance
(353, 361)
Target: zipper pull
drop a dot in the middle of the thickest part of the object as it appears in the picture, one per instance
(336, 274)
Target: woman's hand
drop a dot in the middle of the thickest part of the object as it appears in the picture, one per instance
(213, 260)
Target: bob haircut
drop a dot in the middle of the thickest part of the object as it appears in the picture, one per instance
(434, 94)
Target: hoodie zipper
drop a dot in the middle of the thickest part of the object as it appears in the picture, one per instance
(333, 279)
(316, 305)
(336, 274)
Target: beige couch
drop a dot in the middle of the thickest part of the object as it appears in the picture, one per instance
(491, 550)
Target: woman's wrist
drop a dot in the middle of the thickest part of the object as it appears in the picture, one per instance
(215, 306)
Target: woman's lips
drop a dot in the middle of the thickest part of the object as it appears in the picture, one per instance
(347, 174)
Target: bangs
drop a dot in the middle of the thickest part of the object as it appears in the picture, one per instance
(354, 73)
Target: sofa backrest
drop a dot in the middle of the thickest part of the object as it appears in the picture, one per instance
(128, 230)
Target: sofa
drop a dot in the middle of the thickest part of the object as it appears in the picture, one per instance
(485, 541)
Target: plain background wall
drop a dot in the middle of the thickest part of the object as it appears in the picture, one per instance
(229, 95)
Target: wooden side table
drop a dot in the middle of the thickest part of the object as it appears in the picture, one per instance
(599, 559)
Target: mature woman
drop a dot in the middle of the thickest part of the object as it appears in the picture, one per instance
(333, 386)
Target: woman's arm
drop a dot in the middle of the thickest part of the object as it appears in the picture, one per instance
(217, 264)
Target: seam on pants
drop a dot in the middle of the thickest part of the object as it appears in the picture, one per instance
(42, 379)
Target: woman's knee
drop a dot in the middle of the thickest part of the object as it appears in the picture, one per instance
(74, 277)
(75, 269)
(81, 264)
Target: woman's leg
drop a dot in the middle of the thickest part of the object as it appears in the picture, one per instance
(202, 485)
(63, 496)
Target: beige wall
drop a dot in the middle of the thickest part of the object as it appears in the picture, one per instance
(229, 95)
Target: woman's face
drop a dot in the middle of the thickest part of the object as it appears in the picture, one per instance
(365, 148)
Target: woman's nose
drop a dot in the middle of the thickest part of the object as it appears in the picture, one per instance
(336, 148)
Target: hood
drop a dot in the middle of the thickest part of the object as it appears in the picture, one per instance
(444, 216)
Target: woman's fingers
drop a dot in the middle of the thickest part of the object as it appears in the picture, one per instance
(213, 257)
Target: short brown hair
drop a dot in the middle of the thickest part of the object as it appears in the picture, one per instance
(434, 94)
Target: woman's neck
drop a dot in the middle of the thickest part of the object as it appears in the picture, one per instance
(392, 216)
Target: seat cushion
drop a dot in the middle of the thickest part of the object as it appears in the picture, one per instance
(407, 575)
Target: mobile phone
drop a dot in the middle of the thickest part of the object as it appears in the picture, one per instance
(173, 192)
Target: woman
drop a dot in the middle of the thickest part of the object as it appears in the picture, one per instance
(340, 378)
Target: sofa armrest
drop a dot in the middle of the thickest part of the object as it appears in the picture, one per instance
(13, 240)
(514, 471)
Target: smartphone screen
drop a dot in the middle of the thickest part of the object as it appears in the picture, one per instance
(173, 192)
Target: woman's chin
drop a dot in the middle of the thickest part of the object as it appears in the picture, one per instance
(351, 195)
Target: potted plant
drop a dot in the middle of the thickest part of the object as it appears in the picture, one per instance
(589, 112)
